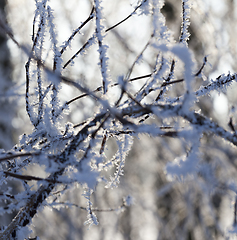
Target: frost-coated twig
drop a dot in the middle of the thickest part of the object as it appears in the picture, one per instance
(138, 58)
(40, 94)
(12, 156)
(112, 85)
(36, 51)
(91, 40)
(203, 123)
(126, 18)
(186, 7)
(167, 81)
(67, 43)
(93, 209)
(100, 35)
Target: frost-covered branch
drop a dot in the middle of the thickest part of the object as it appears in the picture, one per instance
(84, 145)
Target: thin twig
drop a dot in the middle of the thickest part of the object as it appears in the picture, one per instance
(13, 156)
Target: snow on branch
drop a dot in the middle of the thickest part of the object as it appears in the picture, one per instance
(186, 8)
(100, 35)
(124, 145)
(88, 148)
